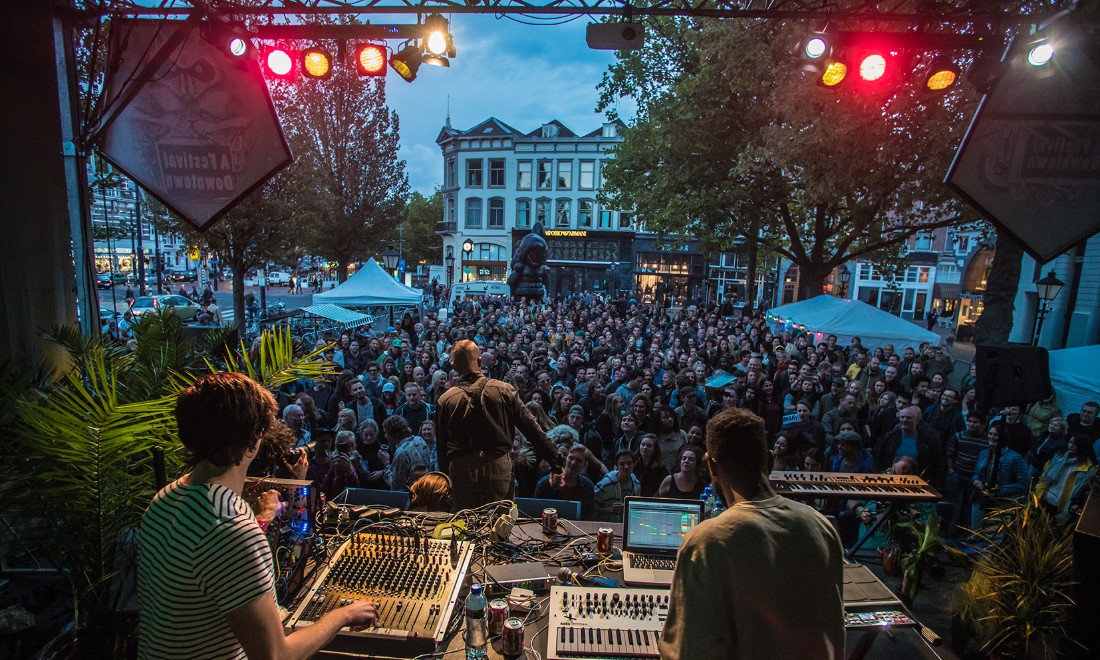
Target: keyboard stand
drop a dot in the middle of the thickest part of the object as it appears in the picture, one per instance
(886, 515)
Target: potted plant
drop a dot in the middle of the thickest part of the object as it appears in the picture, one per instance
(76, 465)
(1016, 602)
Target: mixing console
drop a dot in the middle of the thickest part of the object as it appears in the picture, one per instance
(414, 583)
(590, 622)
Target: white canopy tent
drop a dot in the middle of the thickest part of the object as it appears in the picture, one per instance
(1074, 376)
(828, 315)
(371, 286)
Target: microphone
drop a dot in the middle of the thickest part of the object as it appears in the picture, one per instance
(567, 576)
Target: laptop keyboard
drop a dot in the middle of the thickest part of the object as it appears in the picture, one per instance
(652, 562)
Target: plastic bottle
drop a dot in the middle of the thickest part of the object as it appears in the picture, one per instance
(477, 631)
(708, 499)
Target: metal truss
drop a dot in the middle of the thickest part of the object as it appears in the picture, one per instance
(925, 12)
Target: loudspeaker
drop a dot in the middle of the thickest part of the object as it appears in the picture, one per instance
(1012, 375)
(615, 36)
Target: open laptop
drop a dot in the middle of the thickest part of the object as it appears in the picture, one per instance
(653, 529)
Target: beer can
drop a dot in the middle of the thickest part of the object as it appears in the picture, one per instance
(604, 537)
(511, 640)
(498, 612)
(550, 520)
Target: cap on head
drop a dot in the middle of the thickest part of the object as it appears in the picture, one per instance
(389, 387)
(396, 343)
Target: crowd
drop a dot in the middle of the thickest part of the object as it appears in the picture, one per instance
(625, 390)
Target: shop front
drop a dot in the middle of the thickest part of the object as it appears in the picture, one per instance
(581, 260)
(669, 273)
(971, 299)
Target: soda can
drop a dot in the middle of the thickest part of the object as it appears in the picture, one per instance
(550, 520)
(511, 640)
(498, 612)
(604, 537)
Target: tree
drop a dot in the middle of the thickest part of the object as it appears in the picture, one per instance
(352, 183)
(421, 216)
(995, 324)
(741, 146)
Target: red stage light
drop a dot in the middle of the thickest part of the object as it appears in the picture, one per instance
(279, 63)
(370, 60)
(872, 67)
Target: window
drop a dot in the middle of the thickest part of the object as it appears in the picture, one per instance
(496, 213)
(523, 175)
(523, 213)
(473, 213)
(449, 173)
(625, 220)
(922, 275)
(962, 244)
(587, 175)
(546, 175)
(584, 214)
(605, 219)
(542, 211)
(496, 172)
(565, 175)
(452, 214)
(474, 172)
(923, 241)
(561, 213)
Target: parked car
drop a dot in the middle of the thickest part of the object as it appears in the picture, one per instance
(180, 306)
(278, 277)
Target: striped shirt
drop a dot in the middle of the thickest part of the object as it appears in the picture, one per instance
(964, 450)
(201, 555)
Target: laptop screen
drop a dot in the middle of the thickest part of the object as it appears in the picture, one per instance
(656, 525)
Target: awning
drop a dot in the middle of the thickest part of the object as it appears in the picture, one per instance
(946, 291)
(342, 315)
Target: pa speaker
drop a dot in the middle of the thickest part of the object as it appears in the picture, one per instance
(1012, 375)
(615, 36)
(1086, 574)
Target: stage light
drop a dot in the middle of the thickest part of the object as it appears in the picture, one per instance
(942, 75)
(815, 48)
(370, 60)
(238, 47)
(407, 62)
(279, 63)
(438, 39)
(317, 63)
(1040, 54)
(813, 51)
(834, 74)
(872, 67)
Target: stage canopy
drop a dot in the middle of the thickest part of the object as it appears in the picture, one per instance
(845, 318)
(1074, 376)
(370, 286)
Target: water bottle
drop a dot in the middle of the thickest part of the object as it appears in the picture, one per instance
(477, 631)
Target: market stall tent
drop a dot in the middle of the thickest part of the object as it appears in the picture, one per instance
(370, 286)
(828, 315)
(1074, 376)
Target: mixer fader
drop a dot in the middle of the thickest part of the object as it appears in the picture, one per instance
(413, 581)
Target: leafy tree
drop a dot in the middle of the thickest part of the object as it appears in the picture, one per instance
(421, 216)
(739, 146)
(352, 186)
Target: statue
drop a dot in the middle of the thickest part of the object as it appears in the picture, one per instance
(530, 274)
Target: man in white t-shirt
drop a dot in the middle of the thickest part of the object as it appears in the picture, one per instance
(205, 577)
(764, 578)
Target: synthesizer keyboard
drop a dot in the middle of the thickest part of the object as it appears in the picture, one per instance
(881, 487)
(587, 622)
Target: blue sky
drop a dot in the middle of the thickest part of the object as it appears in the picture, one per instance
(524, 75)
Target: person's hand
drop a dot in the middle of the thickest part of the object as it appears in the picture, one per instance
(866, 516)
(269, 505)
(300, 467)
(384, 457)
(360, 614)
(557, 479)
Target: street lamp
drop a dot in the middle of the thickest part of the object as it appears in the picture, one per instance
(389, 259)
(844, 276)
(450, 261)
(1048, 289)
(467, 252)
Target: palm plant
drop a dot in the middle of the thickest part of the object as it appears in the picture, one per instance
(1016, 602)
(75, 470)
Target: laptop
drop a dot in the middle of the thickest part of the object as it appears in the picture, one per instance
(653, 529)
